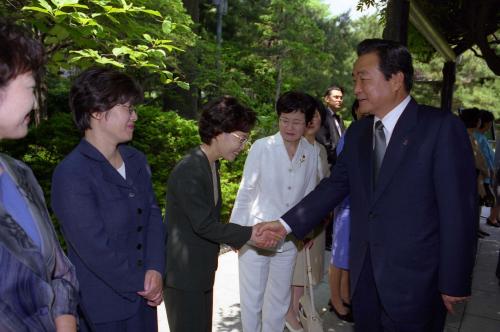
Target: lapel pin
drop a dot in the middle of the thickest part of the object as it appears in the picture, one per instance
(405, 142)
(302, 159)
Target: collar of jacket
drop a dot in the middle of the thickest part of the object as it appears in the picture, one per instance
(91, 151)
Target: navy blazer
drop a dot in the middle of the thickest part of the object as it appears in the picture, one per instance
(419, 222)
(113, 228)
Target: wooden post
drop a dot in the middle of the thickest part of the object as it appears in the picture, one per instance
(396, 26)
(449, 70)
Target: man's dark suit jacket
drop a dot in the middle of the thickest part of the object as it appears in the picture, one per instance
(328, 135)
(113, 228)
(419, 223)
(193, 225)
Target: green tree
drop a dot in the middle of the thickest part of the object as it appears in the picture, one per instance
(143, 37)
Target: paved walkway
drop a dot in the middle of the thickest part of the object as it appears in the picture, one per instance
(480, 314)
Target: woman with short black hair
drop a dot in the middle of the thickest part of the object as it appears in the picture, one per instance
(193, 216)
(103, 197)
(279, 171)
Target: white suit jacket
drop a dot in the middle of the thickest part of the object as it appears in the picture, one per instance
(271, 183)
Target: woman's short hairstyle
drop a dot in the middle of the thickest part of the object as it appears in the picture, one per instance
(486, 117)
(470, 117)
(321, 108)
(19, 53)
(224, 115)
(293, 101)
(99, 90)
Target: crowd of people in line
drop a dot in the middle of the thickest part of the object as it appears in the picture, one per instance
(402, 188)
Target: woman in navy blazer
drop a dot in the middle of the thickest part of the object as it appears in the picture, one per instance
(103, 198)
(38, 287)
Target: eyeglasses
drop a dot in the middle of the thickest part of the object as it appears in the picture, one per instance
(294, 123)
(243, 140)
(130, 108)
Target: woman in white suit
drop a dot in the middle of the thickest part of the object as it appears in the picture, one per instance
(316, 240)
(279, 171)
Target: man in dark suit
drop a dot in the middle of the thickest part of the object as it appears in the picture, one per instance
(332, 126)
(409, 171)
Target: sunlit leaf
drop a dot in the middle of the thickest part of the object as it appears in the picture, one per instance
(166, 26)
(45, 5)
(36, 9)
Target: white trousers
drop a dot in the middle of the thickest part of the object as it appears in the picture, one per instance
(265, 280)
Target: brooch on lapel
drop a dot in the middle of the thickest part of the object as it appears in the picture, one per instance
(405, 142)
(302, 159)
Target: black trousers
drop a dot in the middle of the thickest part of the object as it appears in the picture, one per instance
(189, 311)
(370, 316)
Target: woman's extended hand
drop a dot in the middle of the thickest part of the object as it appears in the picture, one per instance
(153, 288)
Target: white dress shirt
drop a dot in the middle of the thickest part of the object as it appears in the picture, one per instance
(272, 183)
(390, 119)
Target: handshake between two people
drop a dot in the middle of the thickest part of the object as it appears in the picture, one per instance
(267, 235)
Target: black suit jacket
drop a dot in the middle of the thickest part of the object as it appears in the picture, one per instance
(329, 136)
(194, 227)
(419, 223)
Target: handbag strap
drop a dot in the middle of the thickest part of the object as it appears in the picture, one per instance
(308, 285)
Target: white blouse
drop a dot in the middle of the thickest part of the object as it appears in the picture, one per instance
(272, 183)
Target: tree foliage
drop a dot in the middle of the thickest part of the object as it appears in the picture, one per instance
(270, 46)
(143, 37)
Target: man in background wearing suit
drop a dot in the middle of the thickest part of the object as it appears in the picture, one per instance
(409, 171)
(329, 135)
(333, 125)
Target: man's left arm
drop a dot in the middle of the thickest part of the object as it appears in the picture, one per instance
(456, 194)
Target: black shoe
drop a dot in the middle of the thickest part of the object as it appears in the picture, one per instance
(346, 318)
(491, 223)
(347, 305)
(480, 236)
(483, 233)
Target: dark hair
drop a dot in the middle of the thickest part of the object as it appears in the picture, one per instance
(99, 90)
(393, 58)
(320, 107)
(354, 108)
(333, 87)
(19, 53)
(293, 101)
(470, 117)
(224, 115)
(485, 117)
